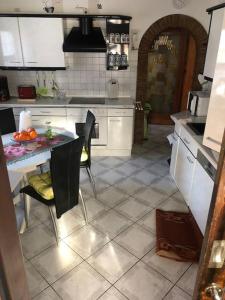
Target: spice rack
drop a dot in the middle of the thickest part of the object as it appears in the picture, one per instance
(118, 39)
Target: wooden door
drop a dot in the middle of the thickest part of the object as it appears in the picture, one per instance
(13, 277)
(209, 270)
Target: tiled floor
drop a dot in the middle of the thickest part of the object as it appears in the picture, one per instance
(113, 257)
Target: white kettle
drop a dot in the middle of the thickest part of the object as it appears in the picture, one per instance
(113, 89)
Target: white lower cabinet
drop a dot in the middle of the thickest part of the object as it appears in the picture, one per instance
(201, 194)
(173, 161)
(184, 171)
(55, 121)
(120, 129)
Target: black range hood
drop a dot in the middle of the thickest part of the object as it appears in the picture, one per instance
(85, 38)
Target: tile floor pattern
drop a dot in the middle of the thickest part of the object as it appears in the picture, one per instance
(113, 257)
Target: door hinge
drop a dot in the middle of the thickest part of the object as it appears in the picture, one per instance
(217, 255)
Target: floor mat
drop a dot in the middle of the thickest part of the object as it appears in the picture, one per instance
(178, 236)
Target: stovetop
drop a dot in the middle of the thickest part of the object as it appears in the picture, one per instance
(80, 100)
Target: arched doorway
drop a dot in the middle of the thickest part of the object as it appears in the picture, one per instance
(171, 55)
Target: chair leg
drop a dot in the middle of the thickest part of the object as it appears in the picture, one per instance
(54, 222)
(26, 201)
(92, 181)
(83, 207)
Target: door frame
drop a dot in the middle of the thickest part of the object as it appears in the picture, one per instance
(164, 24)
(215, 230)
(11, 258)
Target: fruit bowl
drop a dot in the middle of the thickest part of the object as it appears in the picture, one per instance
(25, 136)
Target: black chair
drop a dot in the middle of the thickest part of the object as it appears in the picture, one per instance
(7, 121)
(65, 176)
(86, 153)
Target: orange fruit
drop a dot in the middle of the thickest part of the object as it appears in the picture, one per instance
(33, 134)
(15, 134)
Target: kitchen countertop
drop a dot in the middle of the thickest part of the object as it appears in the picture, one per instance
(185, 117)
(125, 102)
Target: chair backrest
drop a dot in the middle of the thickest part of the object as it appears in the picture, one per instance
(88, 131)
(7, 121)
(65, 173)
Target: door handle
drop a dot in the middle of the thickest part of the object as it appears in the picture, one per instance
(214, 291)
(213, 140)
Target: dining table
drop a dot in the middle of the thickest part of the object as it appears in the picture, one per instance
(25, 156)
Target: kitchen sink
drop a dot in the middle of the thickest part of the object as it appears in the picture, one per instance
(83, 100)
(198, 128)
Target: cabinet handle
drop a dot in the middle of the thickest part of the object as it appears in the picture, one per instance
(213, 140)
(15, 62)
(189, 159)
(186, 141)
(31, 62)
(45, 112)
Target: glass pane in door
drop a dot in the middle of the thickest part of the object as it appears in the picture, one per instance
(163, 70)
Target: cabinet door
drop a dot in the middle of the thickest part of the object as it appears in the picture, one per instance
(120, 132)
(56, 121)
(201, 194)
(42, 40)
(174, 154)
(213, 42)
(10, 45)
(184, 170)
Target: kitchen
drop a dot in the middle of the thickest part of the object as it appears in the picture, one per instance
(76, 82)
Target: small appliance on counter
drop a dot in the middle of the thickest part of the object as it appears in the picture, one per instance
(27, 92)
(4, 89)
(198, 103)
(113, 89)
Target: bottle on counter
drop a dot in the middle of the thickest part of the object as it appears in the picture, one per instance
(127, 38)
(117, 38)
(123, 38)
(111, 60)
(117, 59)
(124, 61)
(112, 38)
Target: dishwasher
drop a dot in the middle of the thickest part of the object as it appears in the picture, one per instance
(202, 189)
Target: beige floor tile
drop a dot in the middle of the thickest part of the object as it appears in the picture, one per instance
(81, 283)
(112, 294)
(150, 196)
(149, 221)
(48, 294)
(56, 261)
(112, 196)
(169, 268)
(86, 241)
(177, 294)
(112, 261)
(142, 282)
(187, 281)
(136, 240)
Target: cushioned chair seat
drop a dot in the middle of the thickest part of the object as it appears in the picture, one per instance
(42, 184)
(84, 156)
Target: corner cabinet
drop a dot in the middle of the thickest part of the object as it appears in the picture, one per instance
(10, 45)
(31, 42)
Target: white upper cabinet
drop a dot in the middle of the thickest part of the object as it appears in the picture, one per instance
(42, 40)
(10, 46)
(213, 42)
(215, 122)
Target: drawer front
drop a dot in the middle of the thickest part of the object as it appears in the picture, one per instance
(113, 112)
(47, 111)
(56, 121)
(17, 110)
(188, 140)
(98, 112)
